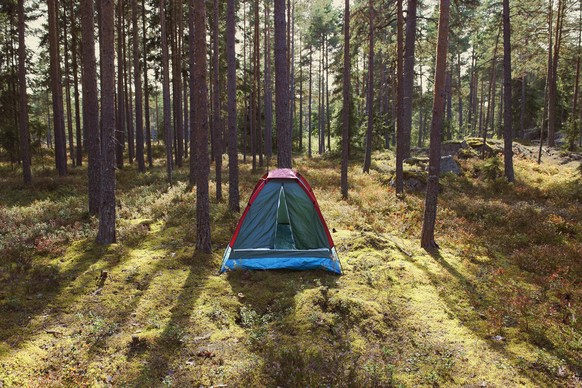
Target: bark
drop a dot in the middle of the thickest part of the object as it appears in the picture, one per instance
(106, 234)
(68, 101)
(121, 119)
(370, 94)
(168, 135)
(148, 134)
(128, 98)
(23, 108)
(138, 92)
(57, 90)
(522, 106)
(233, 190)
(408, 76)
(201, 127)
(177, 80)
(309, 124)
(346, 102)
(432, 189)
(400, 142)
(282, 88)
(216, 107)
(507, 127)
(268, 91)
(91, 105)
(75, 53)
(460, 96)
(191, 63)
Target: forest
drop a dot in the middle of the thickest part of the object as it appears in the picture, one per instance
(442, 140)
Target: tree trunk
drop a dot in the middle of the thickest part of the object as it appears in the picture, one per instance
(138, 93)
(268, 91)
(23, 121)
(309, 113)
(57, 90)
(370, 94)
(401, 136)
(408, 76)
(91, 105)
(68, 101)
(168, 135)
(282, 88)
(346, 102)
(177, 80)
(121, 118)
(216, 107)
(75, 53)
(522, 107)
(507, 127)
(200, 91)
(106, 234)
(553, 87)
(432, 189)
(233, 190)
(148, 134)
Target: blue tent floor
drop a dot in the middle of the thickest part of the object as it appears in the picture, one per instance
(294, 263)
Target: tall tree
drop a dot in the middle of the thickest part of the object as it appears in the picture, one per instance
(148, 134)
(346, 101)
(408, 76)
(268, 91)
(168, 136)
(23, 121)
(57, 89)
(507, 127)
(106, 234)
(430, 205)
(139, 154)
(400, 135)
(201, 127)
(282, 88)
(553, 72)
(91, 105)
(216, 119)
(233, 190)
(121, 116)
(370, 94)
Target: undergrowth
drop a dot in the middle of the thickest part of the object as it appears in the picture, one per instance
(499, 305)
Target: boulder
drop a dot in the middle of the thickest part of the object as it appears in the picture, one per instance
(448, 164)
(452, 147)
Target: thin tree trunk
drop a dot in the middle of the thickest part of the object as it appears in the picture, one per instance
(233, 190)
(460, 96)
(522, 107)
(138, 92)
(282, 88)
(400, 142)
(68, 101)
(168, 136)
(146, 91)
(432, 189)
(309, 124)
(370, 94)
(23, 109)
(57, 90)
(216, 110)
(75, 53)
(177, 80)
(200, 91)
(507, 127)
(268, 91)
(121, 118)
(408, 76)
(346, 102)
(106, 234)
(553, 88)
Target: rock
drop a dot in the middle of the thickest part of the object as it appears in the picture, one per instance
(452, 147)
(498, 338)
(448, 164)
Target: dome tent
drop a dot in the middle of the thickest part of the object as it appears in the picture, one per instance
(281, 227)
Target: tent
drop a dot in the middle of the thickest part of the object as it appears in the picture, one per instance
(281, 227)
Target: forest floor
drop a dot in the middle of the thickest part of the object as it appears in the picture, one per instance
(500, 304)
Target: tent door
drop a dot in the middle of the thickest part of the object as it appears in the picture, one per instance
(284, 234)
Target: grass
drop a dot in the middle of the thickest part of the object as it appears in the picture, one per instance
(498, 305)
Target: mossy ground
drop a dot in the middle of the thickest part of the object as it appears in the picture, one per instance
(498, 305)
